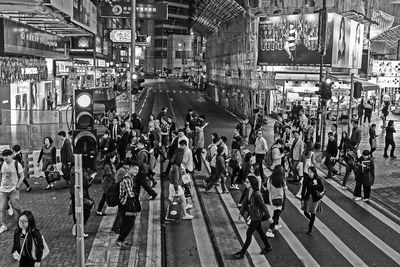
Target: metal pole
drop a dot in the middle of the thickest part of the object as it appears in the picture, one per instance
(133, 52)
(351, 103)
(78, 189)
(337, 110)
(322, 42)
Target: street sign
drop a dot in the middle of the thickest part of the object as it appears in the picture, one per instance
(124, 36)
(340, 92)
(157, 11)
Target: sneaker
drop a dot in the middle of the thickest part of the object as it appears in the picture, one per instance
(366, 199)
(74, 230)
(28, 189)
(85, 235)
(187, 217)
(357, 198)
(188, 206)
(120, 244)
(239, 205)
(385, 156)
(10, 211)
(3, 228)
(99, 213)
(393, 156)
(237, 187)
(232, 187)
(269, 233)
(153, 196)
(48, 187)
(239, 255)
(298, 196)
(344, 187)
(277, 227)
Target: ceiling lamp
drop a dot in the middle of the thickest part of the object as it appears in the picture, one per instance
(396, 2)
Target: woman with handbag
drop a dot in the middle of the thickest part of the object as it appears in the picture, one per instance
(372, 139)
(129, 204)
(48, 154)
(365, 176)
(276, 187)
(109, 172)
(311, 195)
(257, 211)
(26, 238)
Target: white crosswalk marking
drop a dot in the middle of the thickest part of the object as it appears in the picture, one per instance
(363, 230)
(330, 236)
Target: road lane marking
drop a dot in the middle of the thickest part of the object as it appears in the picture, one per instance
(153, 253)
(140, 111)
(377, 242)
(339, 245)
(394, 226)
(203, 243)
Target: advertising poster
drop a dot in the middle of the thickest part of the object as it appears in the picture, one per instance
(347, 41)
(123, 103)
(288, 40)
(388, 68)
(84, 14)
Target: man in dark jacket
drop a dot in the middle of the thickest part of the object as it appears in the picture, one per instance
(355, 138)
(143, 159)
(66, 156)
(331, 154)
(123, 142)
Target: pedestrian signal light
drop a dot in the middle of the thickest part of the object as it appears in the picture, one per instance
(83, 109)
(134, 76)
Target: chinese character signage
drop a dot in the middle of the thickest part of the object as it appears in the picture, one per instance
(345, 39)
(387, 68)
(157, 11)
(124, 36)
(21, 39)
(288, 40)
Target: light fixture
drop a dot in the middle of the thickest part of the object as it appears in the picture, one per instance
(84, 100)
(396, 2)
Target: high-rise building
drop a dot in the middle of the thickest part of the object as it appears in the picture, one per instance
(161, 55)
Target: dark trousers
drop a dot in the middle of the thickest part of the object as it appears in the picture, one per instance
(117, 223)
(122, 154)
(259, 161)
(26, 261)
(367, 188)
(275, 217)
(142, 181)
(26, 183)
(212, 180)
(235, 174)
(197, 158)
(367, 117)
(346, 175)
(102, 202)
(389, 142)
(330, 164)
(311, 217)
(86, 214)
(127, 223)
(66, 170)
(255, 226)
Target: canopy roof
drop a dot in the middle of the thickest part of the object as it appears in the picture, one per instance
(210, 14)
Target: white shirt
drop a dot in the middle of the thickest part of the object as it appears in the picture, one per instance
(303, 120)
(9, 176)
(187, 160)
(261, 146)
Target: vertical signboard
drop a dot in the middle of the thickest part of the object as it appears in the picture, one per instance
(288, 40)
(123, 104)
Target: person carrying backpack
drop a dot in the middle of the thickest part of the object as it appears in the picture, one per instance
(211, 157)
(18, 157)
(143, 160)
(11, 177)
(365, 176)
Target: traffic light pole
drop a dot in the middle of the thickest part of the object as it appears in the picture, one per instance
(350, 103)
(78, 195)
(320, 106)
(133, 54)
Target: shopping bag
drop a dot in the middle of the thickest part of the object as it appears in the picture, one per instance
(186, 178)
(174, 212)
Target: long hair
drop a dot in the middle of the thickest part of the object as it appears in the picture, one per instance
(253, 182)
(277, 177)
(314, 171)
(108, 157)
(31, 219)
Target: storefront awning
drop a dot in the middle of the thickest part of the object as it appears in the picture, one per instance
(367, 86)
(297, 77)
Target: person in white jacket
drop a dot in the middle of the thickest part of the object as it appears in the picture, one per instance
(188, 166)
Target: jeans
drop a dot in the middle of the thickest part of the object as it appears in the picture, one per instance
(366, 187)
(275, 217)
(389, 142)
(255, 226)
(197, 158)
(235, 172)
(13, 197)
(346, 175)
(126, 224)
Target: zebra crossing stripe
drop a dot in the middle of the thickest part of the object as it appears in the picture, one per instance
(340, 246)
(394, 226)
(394, 255)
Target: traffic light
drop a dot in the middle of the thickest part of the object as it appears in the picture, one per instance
(84, 135)
(325, 90)
(357, 90)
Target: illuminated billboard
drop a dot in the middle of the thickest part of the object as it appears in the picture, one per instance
(288, 40)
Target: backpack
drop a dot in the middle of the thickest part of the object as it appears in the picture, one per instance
(268, 158)
(112, 195)
(151, 159)
(209, 157)
(15, 164)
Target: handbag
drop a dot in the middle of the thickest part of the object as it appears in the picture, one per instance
(46, 249)
(373, 143)
(265, 195)
(132, 206)
(174, 212)
(277, 202)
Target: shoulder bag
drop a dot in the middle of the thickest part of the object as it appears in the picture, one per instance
(46, 249)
